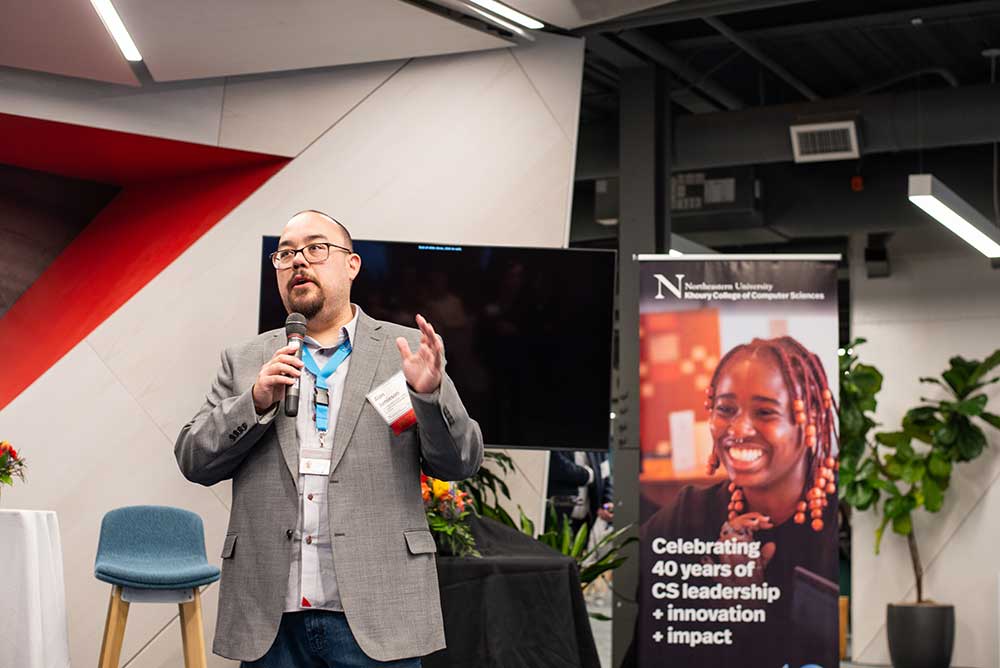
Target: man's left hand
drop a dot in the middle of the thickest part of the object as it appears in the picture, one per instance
(423, 368)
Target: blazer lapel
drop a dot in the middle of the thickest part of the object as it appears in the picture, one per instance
(285, 426)
(365, 356)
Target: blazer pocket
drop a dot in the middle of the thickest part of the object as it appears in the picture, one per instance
(420, 541)
(229, 545)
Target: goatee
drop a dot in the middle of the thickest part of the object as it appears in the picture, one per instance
(308, 306)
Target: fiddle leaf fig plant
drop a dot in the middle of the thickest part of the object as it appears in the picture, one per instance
(911, 468)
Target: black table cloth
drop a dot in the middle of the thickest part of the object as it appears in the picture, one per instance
(519, 606)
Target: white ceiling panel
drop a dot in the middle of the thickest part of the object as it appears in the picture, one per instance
(193, 39)
(570, 14)
(60, 37)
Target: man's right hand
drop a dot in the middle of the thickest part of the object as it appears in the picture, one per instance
(278, 372)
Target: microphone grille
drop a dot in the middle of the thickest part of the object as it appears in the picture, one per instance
(295, 323)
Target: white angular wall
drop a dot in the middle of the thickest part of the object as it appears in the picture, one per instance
(942, 300)
(473, 149)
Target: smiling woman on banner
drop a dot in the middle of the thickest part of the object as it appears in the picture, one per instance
(772, 422)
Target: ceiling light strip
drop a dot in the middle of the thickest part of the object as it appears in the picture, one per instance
(114, 24)
(503, 10)
(938, 201)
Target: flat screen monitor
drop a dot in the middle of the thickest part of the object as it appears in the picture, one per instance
(527, 331)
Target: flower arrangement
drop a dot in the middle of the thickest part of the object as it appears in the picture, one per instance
(447, 508)
(11, 464)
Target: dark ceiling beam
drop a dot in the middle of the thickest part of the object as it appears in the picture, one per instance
(776, 68)
(962, 10)
(682, 11)
(841, 60)
(664, 57)
(614, 52)
(942, 72)
(604, 80)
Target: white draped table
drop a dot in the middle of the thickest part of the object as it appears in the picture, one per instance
(32, 593)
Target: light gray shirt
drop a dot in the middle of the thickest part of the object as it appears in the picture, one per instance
(312, 578)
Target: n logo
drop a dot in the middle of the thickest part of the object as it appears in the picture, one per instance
(662, 282)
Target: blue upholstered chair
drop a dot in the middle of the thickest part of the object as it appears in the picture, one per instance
(153, 554)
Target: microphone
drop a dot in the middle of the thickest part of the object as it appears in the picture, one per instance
(295, 330)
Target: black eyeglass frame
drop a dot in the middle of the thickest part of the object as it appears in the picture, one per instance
(295, 251)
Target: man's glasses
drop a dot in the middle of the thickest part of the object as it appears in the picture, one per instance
(313, 253)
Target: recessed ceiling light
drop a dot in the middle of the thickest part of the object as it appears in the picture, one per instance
(509, 13)
(114, 24)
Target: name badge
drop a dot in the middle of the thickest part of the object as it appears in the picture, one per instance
(315, 461)
(392, 401)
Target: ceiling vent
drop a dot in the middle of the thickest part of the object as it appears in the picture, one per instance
(822, 142)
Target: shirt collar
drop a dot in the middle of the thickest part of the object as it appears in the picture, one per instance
(346, 333)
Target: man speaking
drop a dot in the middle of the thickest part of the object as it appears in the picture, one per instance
(328, 560)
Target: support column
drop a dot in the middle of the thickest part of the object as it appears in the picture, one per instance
(645, 150)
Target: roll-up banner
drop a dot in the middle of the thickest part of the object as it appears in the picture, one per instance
(738, 386)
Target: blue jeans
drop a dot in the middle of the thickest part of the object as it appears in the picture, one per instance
(319, 639)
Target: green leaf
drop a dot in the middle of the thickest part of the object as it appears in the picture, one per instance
(903, 525)
(985, 367)
(957, 380)
(851, 420)
(527, 526)
(946, 433)
(898, 506)
(893, 468)
(938, 466)
(913, 470)
(933, 495)
(867, 378)
(970, 441)
(879, 532)
(861, 495)
(609, 541)
(991, 419)
(868, 469)
(565, 537)
(928, 379)
(591, 573)
(973, 406)
(580, 541)
(884, 485)
(893, 439)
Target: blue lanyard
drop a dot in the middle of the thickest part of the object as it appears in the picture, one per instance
(322, 389)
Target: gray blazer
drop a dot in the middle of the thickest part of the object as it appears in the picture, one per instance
(384, 552)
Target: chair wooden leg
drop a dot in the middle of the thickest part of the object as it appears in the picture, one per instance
(193, 633)
(114, 630)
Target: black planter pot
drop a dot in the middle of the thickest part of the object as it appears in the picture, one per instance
(920, 635)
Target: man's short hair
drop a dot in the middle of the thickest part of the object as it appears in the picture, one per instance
(347, 233)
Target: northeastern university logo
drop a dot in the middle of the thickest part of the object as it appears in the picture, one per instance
(663, 282)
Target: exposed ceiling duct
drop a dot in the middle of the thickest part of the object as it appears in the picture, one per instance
(888, 123)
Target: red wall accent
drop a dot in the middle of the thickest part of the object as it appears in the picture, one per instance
(107, 156)
(173, 193)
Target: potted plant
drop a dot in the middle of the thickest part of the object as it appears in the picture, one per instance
(906, 470)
